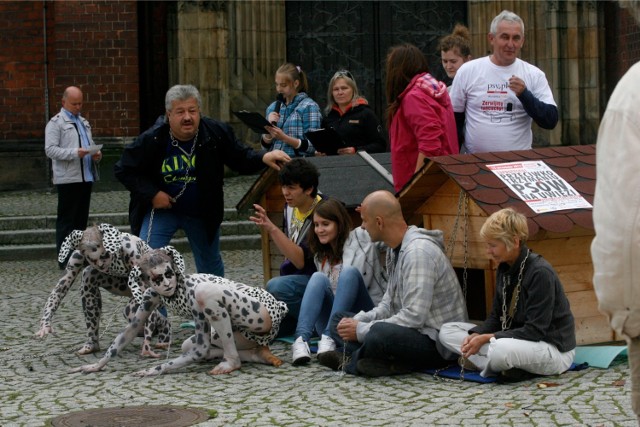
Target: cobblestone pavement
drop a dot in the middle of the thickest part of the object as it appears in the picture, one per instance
(35, 385)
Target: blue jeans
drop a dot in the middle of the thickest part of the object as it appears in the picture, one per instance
(400, 345)
(166, 223)
(319, 303)
(290, 290)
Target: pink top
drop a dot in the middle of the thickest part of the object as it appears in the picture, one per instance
(424, 123)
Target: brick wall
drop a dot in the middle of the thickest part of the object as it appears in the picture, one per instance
(622, 41)
(22, 112)
(95, 46)
(91, 44)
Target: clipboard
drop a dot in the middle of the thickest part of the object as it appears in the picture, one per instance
(255, 121)
(326, 141)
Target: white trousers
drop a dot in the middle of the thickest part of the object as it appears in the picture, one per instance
(501, 354)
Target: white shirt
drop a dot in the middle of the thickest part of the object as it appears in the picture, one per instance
(495, 118)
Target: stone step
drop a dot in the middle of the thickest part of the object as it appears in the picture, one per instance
(40, 251)
(33, 237)
(8, 223)
(47, 235)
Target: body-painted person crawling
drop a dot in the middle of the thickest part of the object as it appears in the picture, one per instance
(110, 255)
(233, 321)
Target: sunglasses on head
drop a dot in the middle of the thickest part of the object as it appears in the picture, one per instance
(344, 73)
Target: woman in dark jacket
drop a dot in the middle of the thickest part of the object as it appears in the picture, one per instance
(351, 117)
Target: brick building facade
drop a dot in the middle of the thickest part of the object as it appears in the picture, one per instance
(124, 54)
(48, 46)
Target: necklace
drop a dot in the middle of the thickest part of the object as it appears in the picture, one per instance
(298, 219)
(332, 271)
(507, 317)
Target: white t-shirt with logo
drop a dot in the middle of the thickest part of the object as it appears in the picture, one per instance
(495, 118)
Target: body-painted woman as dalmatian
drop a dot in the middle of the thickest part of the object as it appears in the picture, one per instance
(111, 255)
(234, 321)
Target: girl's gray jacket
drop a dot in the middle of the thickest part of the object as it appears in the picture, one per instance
(61, 143)
(360, 252)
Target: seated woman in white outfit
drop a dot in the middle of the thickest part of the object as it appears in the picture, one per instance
(530, 327)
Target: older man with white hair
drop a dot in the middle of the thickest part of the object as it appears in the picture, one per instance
(495, 98)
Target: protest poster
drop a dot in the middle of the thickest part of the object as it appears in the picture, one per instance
(539, 186)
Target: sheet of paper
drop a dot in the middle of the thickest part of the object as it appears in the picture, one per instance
(539, 186)
(93, 149)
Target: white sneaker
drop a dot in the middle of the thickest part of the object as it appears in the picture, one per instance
(326, 344)
(300, 353)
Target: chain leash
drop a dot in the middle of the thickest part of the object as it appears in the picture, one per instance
(507, 318)
(452, 238)
(176, 144)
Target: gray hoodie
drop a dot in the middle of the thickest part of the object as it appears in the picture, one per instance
(423, 291)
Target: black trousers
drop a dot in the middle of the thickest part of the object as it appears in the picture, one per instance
(403, 346)
(73, 210)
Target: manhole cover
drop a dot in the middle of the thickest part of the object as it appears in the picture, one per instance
(133, 416)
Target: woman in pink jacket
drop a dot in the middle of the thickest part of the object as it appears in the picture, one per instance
(419, 115)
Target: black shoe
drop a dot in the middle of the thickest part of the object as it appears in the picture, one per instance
(514, 375)
(331, 359)
(380, 368)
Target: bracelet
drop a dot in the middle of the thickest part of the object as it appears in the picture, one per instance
(266, 138)
(299, 144)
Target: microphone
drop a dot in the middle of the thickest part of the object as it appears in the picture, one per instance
(279, 101)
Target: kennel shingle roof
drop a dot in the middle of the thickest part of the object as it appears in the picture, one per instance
(575, 164)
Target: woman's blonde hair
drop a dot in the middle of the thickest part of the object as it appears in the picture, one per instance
(293, 73)
(350, 81)
(504, 226)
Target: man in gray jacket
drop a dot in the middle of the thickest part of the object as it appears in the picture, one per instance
(399, 335)
(69, 144)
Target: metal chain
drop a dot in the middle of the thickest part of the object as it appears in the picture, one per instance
(452, 239)
(436, 375)
(466, 245)
(345, 360)
(506, 320)
(463, 212)
(176, 144)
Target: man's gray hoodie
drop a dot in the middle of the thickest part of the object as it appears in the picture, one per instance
(423, 291)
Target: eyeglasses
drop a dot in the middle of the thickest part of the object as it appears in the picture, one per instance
(343, 73)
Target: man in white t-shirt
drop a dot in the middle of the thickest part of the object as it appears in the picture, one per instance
(496, 97)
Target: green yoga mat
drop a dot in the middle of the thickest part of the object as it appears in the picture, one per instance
(599, 356)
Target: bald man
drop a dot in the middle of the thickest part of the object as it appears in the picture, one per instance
(400, 334)
(69, 144)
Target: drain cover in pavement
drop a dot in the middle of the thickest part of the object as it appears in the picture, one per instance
(133, 416)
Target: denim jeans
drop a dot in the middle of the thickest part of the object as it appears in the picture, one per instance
(403, 346)
(319, 303)
(290, 290)
(165, 224)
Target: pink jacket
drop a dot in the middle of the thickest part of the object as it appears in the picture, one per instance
(424, 123)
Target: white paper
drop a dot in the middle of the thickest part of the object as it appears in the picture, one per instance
(539, 186)
(93, 149)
